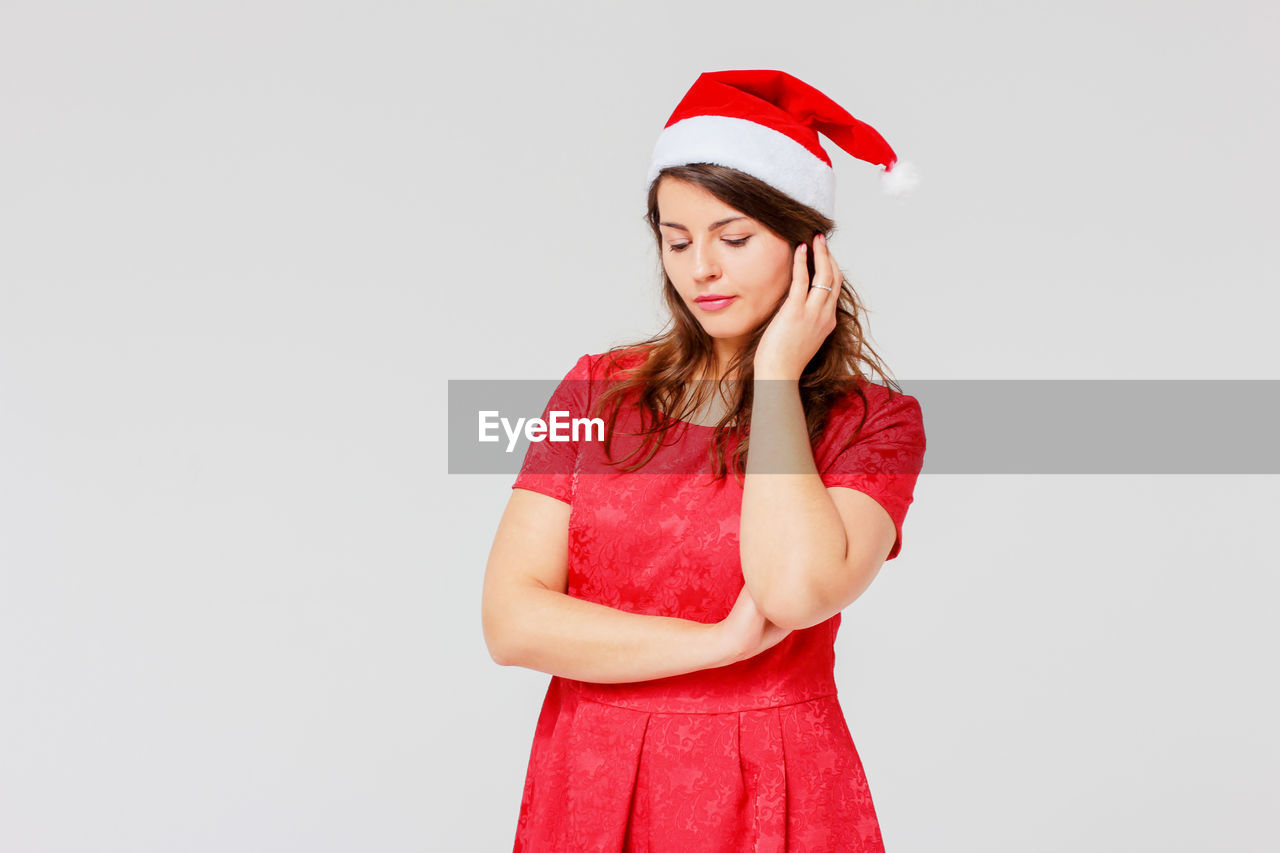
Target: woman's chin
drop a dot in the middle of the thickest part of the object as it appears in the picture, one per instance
(724, 327)
(727, 333)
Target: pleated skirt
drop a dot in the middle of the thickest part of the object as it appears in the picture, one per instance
(613, 775)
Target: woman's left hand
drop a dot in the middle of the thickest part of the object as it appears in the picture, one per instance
(805, 319)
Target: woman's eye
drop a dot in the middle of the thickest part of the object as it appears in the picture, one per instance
(735, 243)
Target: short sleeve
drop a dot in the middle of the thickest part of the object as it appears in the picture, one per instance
(549, 466)
(887, 457)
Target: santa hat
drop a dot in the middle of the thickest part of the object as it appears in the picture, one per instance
(766, 123)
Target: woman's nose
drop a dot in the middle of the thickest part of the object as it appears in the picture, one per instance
(704, 265)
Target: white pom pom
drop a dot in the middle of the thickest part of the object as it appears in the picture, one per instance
(900, 180)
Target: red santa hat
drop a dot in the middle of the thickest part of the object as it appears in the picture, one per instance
(766, 123)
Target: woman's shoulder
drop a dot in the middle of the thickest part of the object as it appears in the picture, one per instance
(887, 423)
(881, 402)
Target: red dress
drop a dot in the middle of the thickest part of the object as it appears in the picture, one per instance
(753, 756)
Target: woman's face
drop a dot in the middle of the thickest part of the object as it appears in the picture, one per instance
(711, 249)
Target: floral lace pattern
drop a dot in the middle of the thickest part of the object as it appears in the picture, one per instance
(754, 756)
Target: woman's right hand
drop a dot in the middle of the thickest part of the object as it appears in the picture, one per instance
(745, 632)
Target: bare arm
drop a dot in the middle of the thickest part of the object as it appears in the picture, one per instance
(808, 551)
(529, 620)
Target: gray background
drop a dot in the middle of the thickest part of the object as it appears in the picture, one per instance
(244, 245)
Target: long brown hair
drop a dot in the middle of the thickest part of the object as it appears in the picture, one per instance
(684, 351)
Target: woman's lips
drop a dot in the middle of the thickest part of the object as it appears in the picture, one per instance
(714, 304)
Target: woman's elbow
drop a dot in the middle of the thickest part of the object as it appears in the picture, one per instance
(795, 610)
(498, 634)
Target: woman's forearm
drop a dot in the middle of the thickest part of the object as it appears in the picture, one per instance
(552, 632)
(792, 540)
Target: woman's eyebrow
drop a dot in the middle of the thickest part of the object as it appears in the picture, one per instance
(713, 226)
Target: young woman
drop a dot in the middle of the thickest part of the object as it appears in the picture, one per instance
(682, 580)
